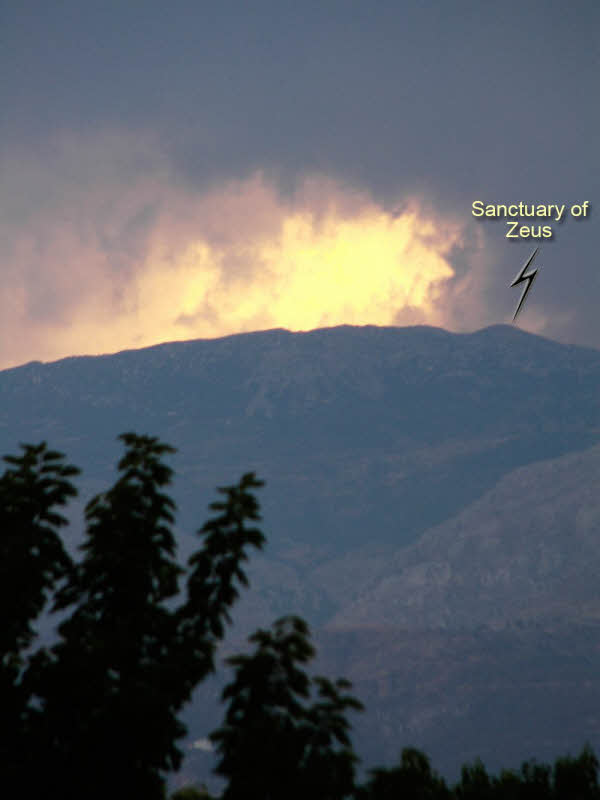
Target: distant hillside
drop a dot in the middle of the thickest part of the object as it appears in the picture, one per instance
(528, 550)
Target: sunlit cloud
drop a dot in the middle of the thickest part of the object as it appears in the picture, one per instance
(105, 249)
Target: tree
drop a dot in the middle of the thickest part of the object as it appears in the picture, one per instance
(413, 778)
(576, 778)
(104, 687)
(536, 780)
(509, 786)
(475, 783)
(216, 572)
(32, 560)
(105, 697)
(273, 744)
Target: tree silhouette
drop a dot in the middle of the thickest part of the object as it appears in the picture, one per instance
(32, 560)
(413, 778)
(536, 780)
(126, 660)
(475, 783)
(570, 778)
(576, 778)
(216, 572)
(273, 744)
(105, 686)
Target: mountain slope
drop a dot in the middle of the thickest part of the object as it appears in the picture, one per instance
(529, 549)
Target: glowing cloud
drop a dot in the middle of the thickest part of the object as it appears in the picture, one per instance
(128, 257)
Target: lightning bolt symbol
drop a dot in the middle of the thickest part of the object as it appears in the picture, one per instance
(523, 275)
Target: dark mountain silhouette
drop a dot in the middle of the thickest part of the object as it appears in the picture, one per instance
(431, 509)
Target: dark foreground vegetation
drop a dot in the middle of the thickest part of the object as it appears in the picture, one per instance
(96, 714)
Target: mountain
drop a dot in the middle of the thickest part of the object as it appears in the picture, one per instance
(430, 507)
(527, 551)
(370, 422)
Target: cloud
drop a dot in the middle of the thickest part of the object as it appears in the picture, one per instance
(105, 248)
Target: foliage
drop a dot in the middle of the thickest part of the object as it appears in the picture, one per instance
(273, 743)
(110, 689)
(475, 783)
(32, 560)
(572, 778)
(576, 778)
(413, 778)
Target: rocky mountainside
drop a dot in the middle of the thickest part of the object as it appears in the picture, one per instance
(527, 551)
(431, 508)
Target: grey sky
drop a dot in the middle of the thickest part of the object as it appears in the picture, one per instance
(450, 101)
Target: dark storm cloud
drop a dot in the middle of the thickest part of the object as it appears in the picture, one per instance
(449, 101)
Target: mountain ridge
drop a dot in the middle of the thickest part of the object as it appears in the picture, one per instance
(480, 333)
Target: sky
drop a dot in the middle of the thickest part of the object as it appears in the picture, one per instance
(184, 170)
